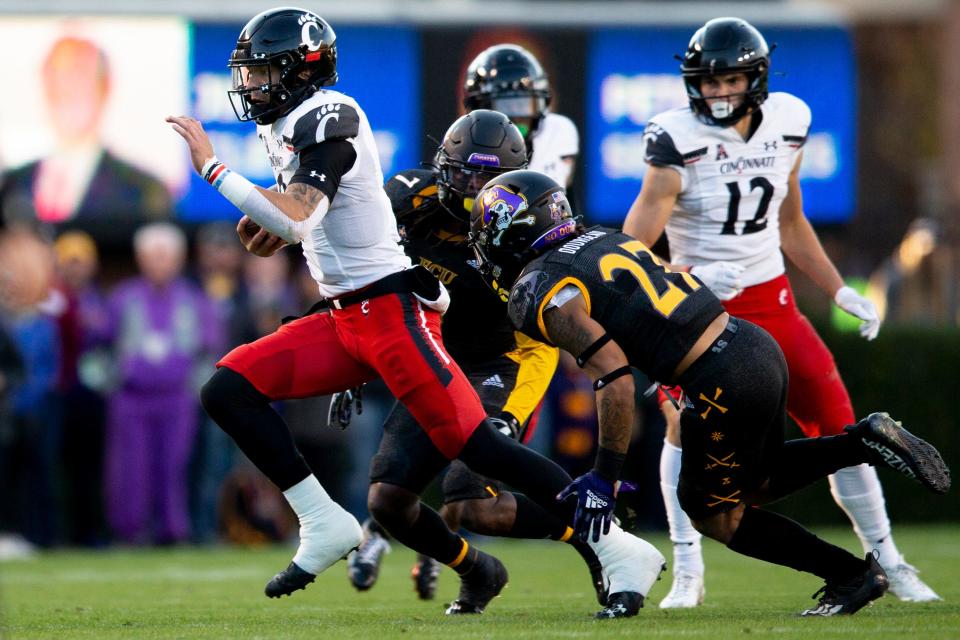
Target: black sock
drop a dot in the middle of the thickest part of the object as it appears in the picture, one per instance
(427, 534)
(489, 453)
(806, 460)
(246, 416)
(773, 538)
(534, 522)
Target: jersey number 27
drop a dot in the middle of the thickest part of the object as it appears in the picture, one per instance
(672, 296)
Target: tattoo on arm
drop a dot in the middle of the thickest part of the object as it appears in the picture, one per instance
(308, 197)
(567, 331)
(616, 420)
(570, 328)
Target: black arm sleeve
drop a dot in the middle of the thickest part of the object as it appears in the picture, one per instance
(323, 165)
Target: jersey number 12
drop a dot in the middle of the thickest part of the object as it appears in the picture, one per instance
(759, 222)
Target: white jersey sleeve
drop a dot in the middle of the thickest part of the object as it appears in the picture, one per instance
(729, 205)
(357, 242)
(554, 140)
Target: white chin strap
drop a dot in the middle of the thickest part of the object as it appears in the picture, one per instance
(721, 109)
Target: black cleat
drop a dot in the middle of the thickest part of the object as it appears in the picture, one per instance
(291, 579)
(479, 586)
(623, 604)
(889, 444)
(846, 598)
(596, 570)
(426, 575)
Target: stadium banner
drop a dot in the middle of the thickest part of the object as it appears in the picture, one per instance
(378, 66)
(632, 75)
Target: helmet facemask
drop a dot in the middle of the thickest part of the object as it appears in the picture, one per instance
(458, 182)
(720, 113)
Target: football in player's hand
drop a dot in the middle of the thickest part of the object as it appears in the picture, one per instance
(249, 226)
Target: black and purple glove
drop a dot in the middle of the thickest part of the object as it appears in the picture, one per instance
(596, 499)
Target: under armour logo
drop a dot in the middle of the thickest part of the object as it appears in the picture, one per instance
(767, 146)
(721, 153)
(319, 176)
(594, 501)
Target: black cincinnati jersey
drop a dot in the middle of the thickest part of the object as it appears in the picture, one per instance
(654, 314)
(475, 327)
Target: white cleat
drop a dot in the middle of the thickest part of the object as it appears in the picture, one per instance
(629, 563)
(687, 592)
(907, 585)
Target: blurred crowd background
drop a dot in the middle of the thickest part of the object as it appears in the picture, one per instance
(122, 280)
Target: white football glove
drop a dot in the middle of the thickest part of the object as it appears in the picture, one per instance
(722, 278)
(856, 305)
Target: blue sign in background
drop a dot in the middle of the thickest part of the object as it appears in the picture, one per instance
(633, 75)
(378, 67)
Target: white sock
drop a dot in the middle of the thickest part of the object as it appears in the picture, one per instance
(315, 509)
(687, 552)
(858, 492)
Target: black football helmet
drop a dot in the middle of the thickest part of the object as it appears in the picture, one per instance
(509, 79)
(476, 148)
(721, 46)
(515, 218)
(291, 52)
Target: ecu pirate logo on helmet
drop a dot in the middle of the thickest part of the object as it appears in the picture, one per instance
(501, 207)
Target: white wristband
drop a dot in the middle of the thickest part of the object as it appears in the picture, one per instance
(233, 186)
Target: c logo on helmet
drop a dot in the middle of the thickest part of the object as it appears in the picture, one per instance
(311, 29)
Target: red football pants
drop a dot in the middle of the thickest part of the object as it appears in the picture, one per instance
(817, 398)
(393, 337)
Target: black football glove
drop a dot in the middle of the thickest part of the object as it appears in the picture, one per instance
(341, 407)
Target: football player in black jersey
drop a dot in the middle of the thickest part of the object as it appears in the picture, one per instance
(605, 298)
(509, 371)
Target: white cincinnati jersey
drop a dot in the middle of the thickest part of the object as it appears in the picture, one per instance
(555, 139)
(357, 242)
(729, 205)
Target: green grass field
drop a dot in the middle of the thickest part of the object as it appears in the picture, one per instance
(217, 593)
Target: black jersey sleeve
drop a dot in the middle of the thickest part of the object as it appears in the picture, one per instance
(660, 149)
(331, 121)
(526, 298)
(323, 165)
(413, 198)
